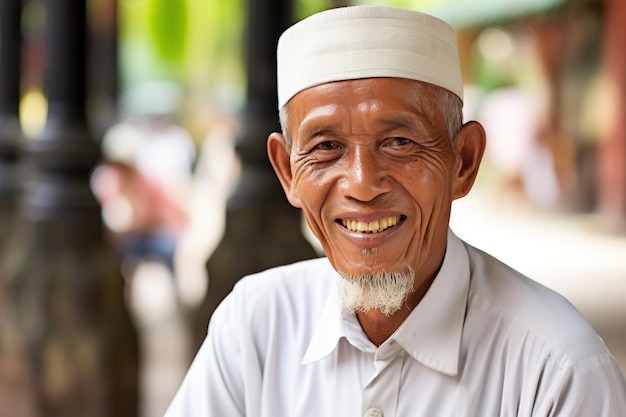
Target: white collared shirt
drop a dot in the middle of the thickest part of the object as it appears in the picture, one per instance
(483, 342)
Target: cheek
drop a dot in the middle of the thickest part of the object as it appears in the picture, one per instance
(311, 190)
(308, 172)
(431, 191)
(311, 180)
(314, 219)
(315, 193)
(427, 177)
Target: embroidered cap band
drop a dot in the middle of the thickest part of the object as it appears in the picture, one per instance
(367, 41)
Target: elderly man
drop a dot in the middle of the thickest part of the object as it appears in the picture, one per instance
(401, 318)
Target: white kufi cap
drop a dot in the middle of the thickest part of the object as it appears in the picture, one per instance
(349, 43)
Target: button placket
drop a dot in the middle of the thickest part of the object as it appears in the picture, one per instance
(373, 412)
(381, 393)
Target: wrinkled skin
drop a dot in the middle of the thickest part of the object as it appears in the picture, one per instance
(372, 150)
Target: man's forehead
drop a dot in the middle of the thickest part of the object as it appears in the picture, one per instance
(386, 102)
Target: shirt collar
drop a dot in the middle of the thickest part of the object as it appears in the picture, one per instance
(432, 332)
(329, 329)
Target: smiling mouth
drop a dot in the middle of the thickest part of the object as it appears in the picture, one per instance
(376, 226)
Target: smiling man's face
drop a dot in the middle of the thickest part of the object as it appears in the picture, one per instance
(374, 172)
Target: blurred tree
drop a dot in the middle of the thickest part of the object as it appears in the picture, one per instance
(167, 25)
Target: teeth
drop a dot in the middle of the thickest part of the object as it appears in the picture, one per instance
(376, 226)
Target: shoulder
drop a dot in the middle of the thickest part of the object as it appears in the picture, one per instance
(521, 332)
(525, 307)
(267, 308)
(301, 279)
(278, 296)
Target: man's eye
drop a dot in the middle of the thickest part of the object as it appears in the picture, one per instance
(399, 141)
(327, 146)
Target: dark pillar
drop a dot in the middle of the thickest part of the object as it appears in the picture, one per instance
(262, 229)
(16, 378)
(103, 82)
(65, 284)
(612, 152)
(10, 129)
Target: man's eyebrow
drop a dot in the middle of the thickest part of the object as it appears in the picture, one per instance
(405, 120)
(313, 130)
(314, 124)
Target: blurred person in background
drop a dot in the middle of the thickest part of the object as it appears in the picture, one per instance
(513, 107)
(144, 179)
(512, 118)
(216, 171)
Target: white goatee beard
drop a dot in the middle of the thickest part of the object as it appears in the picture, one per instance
(384, 290)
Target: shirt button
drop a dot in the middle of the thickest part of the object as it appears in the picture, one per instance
(373, 412)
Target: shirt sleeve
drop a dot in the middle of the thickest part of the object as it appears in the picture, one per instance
(592, 387)
(213, 385)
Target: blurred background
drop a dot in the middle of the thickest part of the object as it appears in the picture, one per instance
(135, 188)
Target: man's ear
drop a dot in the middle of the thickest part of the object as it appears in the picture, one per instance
(280, 155)
(469, 149)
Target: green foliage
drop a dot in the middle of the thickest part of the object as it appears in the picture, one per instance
(167, 26)
(304, 8)
(194, 42)
(422, 5)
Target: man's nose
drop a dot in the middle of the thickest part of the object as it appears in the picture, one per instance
(365, 176)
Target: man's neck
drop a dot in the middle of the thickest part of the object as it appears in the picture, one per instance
(378, 327)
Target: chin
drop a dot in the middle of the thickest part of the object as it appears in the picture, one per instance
(382, 290)
(374, 266)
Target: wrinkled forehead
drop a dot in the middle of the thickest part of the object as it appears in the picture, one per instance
(367, 42)
(364, 102)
